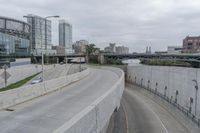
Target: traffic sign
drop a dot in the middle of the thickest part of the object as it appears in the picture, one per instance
(5, 67)
(5, 75)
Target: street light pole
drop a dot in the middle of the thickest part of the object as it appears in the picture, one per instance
(41, 43)
(80, 65)
(55, 16)
(30, 35)
(45, 28)
(41, 38)
(196, 96)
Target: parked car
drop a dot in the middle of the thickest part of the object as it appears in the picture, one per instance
(38, 80)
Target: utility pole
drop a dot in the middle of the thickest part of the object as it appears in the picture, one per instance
(5, 67)
(196, 96)
(45, 26)
(80, 65)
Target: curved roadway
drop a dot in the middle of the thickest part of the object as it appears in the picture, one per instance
(47, 113)
(140, 114)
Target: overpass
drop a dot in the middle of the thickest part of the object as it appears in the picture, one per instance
(58, 106)
(162, 56)
(192, 58)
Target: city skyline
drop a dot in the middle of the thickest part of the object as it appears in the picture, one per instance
(141, 23)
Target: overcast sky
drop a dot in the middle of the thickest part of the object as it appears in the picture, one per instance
(133, 23)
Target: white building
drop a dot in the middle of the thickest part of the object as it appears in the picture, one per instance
(111, 48)
(65, 36)
(80, 46)
(122, 50)
(174, 49)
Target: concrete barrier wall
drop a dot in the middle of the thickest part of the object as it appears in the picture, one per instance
(21, 72)
(173, 79)
(95, 117)
(22, 94)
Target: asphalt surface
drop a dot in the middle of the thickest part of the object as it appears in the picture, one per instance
(49, 112)
(143, 115)
(118, 122)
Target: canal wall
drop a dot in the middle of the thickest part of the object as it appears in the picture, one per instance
(177, 84)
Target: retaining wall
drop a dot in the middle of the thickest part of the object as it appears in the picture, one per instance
(174, 83)
(22, 94)
(95, 117)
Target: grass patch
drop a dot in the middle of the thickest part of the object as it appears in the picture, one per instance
(93, 64)
(18, 83)
(165, 62)
(113, 61)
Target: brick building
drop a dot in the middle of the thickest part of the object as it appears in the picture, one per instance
(191, 44)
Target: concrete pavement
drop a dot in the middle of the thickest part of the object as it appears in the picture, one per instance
(46, 114)
(144, 115)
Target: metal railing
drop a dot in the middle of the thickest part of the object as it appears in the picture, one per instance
(184, 110)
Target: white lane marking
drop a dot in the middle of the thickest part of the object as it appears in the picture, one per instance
(160, 121)
(157, 117)
(126, 118)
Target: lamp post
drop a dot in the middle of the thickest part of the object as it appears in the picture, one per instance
(55, 16)
(41, 38)
(165, 93)
(141, 81)
(196, 96)
(45, 25)
(30, 32)
(176, 96)
(148, 84)
(80, 65)
(156, 87)
(191, 102)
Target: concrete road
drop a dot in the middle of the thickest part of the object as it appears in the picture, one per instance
(143, 115)
(47, 113)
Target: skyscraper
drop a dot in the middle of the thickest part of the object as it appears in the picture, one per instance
(65, 35)
(38, 33)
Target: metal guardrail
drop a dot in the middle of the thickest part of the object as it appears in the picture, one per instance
(185, 111)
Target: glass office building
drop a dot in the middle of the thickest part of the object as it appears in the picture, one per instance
(38, 32)
(14, 37)
(65, 34)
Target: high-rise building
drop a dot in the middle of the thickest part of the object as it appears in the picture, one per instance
(38, 33)
(80, 46)
(65, 35)
(148, 50)
(111, 48)
(122, 50)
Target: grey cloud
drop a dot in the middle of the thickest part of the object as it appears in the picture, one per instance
(135, 23)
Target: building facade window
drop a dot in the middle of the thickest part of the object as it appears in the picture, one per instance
(12, 45)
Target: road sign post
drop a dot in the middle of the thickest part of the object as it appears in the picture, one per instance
(5, 75)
